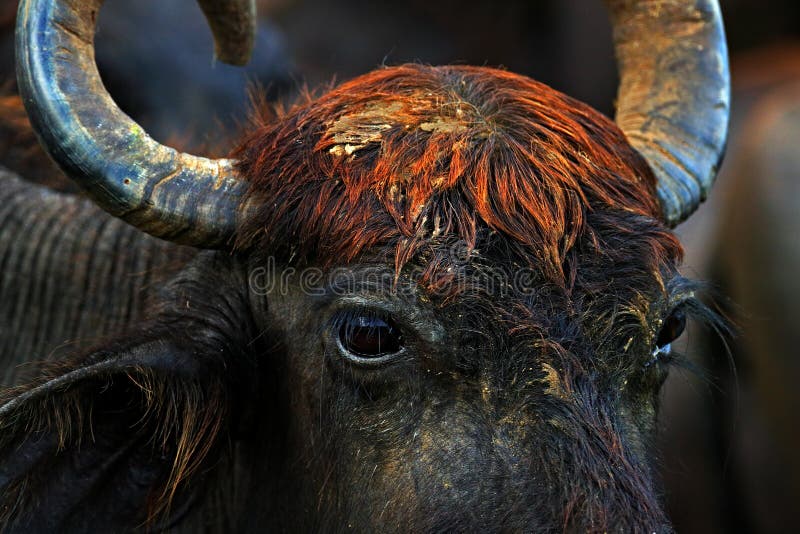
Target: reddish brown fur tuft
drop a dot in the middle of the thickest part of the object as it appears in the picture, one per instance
(405, 154)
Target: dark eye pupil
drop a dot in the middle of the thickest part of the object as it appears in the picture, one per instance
(672, 329)
(370, 337)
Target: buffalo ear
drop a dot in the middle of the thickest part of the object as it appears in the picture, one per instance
(109, 440)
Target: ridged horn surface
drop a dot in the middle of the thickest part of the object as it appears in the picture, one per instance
(674, 97)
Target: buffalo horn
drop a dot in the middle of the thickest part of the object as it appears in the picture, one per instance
(674, 96)
(172, 195)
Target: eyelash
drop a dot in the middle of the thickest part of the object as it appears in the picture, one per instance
(349, 315)
(659, 355)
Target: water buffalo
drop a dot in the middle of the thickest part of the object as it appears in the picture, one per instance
(430, 299)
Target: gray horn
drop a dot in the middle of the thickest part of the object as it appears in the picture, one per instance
(169, 194)
(674, 96)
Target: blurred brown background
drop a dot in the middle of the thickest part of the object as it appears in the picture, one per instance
(730, 430)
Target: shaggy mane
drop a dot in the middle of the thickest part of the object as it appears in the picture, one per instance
(405, 155)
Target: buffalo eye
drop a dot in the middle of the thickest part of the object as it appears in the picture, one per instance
(366, 336)
(671, 330)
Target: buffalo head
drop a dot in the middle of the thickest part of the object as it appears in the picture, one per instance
(434, 298)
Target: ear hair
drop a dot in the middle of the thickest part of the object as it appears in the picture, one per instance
(152, 415)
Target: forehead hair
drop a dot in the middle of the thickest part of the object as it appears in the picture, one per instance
(407, 156)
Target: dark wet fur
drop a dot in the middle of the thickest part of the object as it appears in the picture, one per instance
(537, 411)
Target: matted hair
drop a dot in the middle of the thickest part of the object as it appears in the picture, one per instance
(409, 154)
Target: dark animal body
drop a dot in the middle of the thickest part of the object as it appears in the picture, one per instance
(76, 276)
(407, 378)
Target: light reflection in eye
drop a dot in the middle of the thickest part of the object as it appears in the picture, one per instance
(369, 336)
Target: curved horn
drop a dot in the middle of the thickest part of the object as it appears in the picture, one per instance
(674, 96)
(169, 194)
(233, 24)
